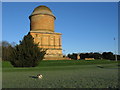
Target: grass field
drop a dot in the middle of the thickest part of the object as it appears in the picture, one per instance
(63, 74)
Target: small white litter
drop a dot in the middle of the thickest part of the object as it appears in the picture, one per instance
(39, 76)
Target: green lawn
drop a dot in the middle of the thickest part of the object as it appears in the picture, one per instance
(63, 74)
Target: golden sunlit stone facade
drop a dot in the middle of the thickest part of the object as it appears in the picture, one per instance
(42, 30)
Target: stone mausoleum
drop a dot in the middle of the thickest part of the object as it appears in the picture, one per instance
(42, 29)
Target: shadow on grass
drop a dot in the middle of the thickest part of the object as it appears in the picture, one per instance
(35, 77)
(112, 68)
(99, 66)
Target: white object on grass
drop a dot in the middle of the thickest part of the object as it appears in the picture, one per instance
(40, 76)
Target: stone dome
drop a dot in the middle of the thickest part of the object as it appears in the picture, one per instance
(42, 10)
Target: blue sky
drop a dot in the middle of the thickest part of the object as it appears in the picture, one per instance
(85, 26)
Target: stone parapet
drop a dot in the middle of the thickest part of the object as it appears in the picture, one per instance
(44, 32)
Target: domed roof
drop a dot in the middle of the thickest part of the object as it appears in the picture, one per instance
(42, 10)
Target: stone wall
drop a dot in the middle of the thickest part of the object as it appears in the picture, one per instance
(42, 23)
(49, 41)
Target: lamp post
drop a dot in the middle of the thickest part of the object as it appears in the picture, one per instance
(115, 50)
(64, 53)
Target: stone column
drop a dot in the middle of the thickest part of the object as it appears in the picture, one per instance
(54, 42)
(41, 41)
(59, 42)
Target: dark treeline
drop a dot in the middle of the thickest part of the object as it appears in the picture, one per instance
(96, 55)
(6, 48)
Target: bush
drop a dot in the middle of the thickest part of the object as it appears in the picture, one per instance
(27, 53)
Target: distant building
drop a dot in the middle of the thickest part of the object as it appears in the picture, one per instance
(89, 59)
(42, 29)
(78, 56)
